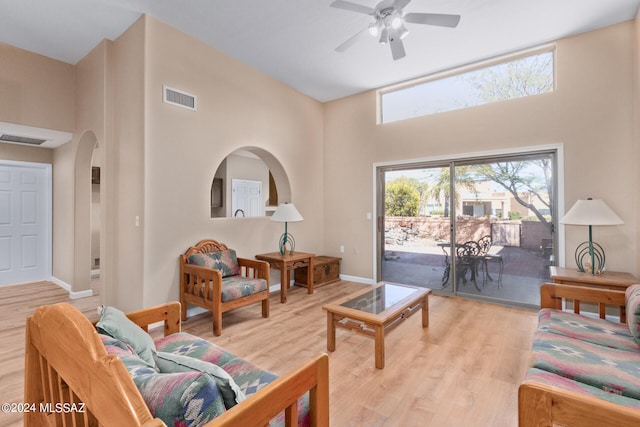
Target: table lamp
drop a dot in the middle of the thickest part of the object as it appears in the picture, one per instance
(286, 213)
(590, 212)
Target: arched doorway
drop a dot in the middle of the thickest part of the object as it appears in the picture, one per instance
(83, 189)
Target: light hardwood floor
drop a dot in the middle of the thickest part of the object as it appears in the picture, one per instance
(463, 370)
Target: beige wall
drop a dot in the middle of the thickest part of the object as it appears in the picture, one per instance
(125, 169)
(21, 153)
(237, 107)
(591, 114)
(36, 90)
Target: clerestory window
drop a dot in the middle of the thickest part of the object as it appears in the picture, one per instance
(511, 78)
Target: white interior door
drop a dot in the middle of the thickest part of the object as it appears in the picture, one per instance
(246, 198)
(25, 222)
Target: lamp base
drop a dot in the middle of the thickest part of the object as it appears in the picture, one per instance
(588, 263)
(285, 239)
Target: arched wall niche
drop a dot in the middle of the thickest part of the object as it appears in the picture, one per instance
(249, 164)
(82, 211)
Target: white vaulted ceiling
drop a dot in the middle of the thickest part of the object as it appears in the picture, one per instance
(294, 40)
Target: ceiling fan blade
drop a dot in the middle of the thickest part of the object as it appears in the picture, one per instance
(352, 40)
(397, 47)
(353, 7)
(400, 4)
(439, 19)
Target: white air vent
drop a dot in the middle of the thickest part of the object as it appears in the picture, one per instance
(179, 98)
(16, 139)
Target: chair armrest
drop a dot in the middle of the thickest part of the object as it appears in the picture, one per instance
(168, 313)
(283, 394)
(541, 404)
(261, 268)
(552, 295)
(204, 272)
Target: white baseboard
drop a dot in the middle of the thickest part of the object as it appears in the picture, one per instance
(81, 294)
(62, 284)
(67, 287)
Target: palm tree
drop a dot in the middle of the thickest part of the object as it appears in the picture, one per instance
(441, 189)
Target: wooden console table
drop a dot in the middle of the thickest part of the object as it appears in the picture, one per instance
(287, 262)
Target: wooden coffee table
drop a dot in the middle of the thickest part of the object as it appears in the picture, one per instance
(374, 311)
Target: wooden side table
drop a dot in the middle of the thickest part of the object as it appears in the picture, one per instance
(610, 280)
(287, 262)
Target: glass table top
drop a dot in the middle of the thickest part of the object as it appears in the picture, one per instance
(379, 299)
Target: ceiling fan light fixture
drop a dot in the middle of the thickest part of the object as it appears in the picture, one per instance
(403, 31)
(374, 29)
(389, 23)
(396, 22)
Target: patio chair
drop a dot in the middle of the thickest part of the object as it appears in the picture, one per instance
(485, 243)
(467, 259)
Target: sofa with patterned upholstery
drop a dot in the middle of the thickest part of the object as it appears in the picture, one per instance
(115, 374)
(183, 379)
(585, 370)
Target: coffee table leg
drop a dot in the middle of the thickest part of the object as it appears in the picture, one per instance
(425, 311)
(331, 332)
(379, 346)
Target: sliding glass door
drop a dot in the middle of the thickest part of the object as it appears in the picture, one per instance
(416, 225)
(480, 227)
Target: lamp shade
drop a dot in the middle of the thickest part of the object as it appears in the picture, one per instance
(286, 212)
(591, 212)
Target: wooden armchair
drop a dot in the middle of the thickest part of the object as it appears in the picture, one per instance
(220, 289)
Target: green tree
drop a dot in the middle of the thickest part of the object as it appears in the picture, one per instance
(402, 197)
(441, 190)
(531, 177)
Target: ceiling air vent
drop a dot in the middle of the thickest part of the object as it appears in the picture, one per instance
(179, 98)
(16, 139)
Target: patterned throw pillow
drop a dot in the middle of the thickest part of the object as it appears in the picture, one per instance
(225, 261)
(632, 298)
(171, 363)
(181, 399)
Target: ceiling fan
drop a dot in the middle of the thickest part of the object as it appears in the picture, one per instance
(388, 25)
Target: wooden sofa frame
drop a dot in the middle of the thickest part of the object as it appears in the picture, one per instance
(202, 287)
(544, 405)
(67, 368)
